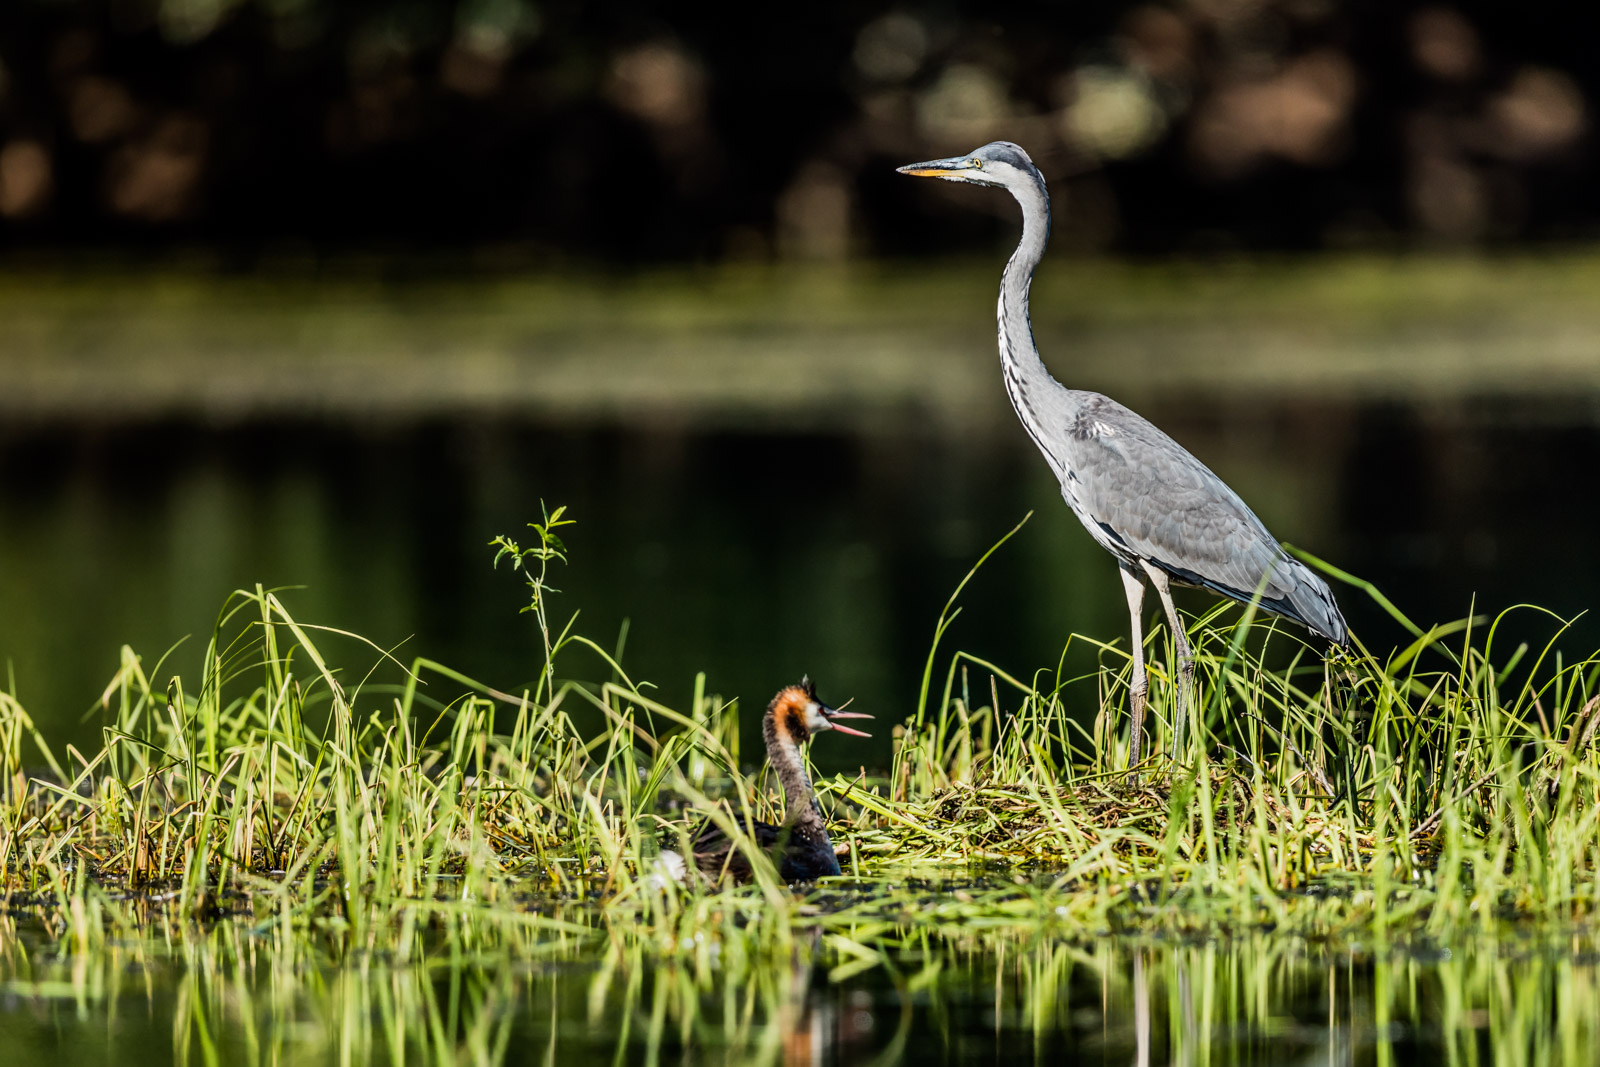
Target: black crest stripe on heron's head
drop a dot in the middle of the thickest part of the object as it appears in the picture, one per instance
(1007, 152)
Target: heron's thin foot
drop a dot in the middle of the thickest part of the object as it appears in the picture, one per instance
(1136, 703)
(1185, 693)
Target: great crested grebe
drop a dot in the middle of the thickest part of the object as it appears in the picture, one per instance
(800, 847)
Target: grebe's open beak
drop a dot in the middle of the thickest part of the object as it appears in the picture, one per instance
(831, 715)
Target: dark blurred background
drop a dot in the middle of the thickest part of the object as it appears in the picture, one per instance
(327, 294)
(623, 133)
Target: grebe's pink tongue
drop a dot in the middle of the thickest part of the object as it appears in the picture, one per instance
(834, 716)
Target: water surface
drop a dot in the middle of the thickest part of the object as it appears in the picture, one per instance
(1000, 994)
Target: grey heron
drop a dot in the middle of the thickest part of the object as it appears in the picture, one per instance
(1160, 511)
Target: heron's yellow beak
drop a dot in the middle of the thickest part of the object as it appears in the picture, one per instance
(942, 168)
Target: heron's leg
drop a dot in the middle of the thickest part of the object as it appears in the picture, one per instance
(1133, 585)
(1180, 646)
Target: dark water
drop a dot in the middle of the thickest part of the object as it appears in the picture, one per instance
(1007, 995)
(751, 553)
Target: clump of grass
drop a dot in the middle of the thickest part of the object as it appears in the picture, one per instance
(1452, 793)
(391, 808)
(307, 805)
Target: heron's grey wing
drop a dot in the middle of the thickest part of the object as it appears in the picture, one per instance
(1139, 491)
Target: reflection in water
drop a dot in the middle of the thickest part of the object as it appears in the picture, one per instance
(239, 995)
(1141, 1011)
(689, 537)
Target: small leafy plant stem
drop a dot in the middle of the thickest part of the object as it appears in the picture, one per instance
(534, 563)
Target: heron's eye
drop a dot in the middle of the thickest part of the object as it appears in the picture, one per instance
(977, 163)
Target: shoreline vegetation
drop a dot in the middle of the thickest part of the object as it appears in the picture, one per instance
(757, 342)
(305, 801)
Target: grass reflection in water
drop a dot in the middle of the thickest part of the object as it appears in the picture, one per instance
(496, 990)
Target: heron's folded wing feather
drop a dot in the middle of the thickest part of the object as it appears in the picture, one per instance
(1166, 506)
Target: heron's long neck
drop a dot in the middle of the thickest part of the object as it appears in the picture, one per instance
(801, 803)
(1027, 380)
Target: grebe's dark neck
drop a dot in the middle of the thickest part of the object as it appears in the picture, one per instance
(801, 805)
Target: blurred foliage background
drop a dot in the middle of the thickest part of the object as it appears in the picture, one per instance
(629, 131)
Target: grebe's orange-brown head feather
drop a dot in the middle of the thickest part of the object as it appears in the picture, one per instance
(797, 713)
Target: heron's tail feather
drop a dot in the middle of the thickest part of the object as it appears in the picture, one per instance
(1310, 603)
(1307, 600)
